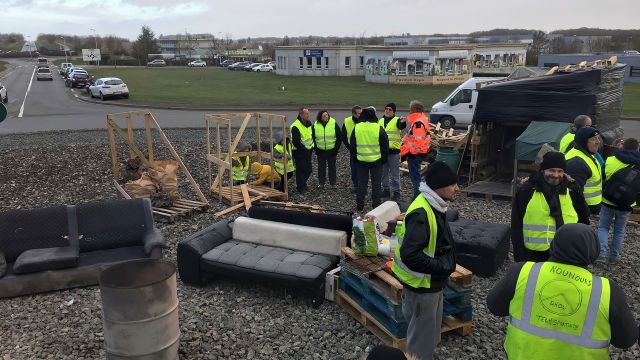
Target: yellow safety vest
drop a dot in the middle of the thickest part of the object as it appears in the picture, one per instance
(565, 141)
(368, 141)
(393, 133)
(240, 172)
(349, 125)
(306, 137)
(593, 186)
(279, 161)
(538, 226)
(612, 166)
(325, 135)
(558, 311)
(406, 275)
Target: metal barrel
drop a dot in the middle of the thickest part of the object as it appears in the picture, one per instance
(140, 310)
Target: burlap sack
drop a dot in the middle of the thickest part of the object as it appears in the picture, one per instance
(141, 188)
(165, 174)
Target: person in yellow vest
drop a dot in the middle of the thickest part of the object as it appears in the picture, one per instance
(240, 165)
(302, 140)
(369, 145)
(326, 140)
(283, 160)
(617, 207)
(393, 126)
(542, 205)
(348, 125)
(583, 166)
(264, 173)
(567, 141)
(424, 258)
(558, 309)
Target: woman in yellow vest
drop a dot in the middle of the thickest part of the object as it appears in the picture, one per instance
(327, 139)
(584, 168)
(558, 309)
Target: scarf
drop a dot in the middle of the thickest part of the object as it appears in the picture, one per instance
(433, 198)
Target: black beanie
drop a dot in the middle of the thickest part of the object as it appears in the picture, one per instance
(368, 114)
(384, 352)
(553, 159)
(439, 175)
(391, 105)
(583, 135)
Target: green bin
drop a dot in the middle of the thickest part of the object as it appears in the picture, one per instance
(449, 156)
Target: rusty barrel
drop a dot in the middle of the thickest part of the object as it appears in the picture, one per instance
(140, 310)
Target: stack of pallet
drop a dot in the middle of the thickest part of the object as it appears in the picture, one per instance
(441, 137)
(374, 297)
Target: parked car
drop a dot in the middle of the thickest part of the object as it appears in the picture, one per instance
(4, 96)
(156, 63)
(251, 66)
(42, 62)
(109, 87)
(238, 65)
(70, 69)
(63, 67)
(78, 78)
(197, 63)
(262, 68)
(226, 63)
(44, 73)
(273, 64)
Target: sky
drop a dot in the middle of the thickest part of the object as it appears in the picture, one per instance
(250, 18)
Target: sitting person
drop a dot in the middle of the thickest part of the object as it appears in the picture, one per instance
(264, 173)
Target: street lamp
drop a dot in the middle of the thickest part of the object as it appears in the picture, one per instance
(64, 47)
(96, 40)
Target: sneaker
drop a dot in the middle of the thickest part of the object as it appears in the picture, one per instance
(613, 261)
(386, 193)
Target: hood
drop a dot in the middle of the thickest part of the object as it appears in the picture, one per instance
(628, 156)
(256, 167)
(369, 115)
(582, 136)
(575, 244)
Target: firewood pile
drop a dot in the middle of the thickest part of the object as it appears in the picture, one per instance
(441, 137)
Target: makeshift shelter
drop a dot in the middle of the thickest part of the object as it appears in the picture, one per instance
(537, 134)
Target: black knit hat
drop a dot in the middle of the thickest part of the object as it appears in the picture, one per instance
(392, 106)
(439, 175)
(553, 159)
(384, 352)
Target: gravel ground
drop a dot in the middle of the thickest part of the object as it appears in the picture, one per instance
(225, 319)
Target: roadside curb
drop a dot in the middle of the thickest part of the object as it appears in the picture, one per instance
(7, 70)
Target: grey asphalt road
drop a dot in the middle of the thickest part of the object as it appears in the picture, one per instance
(49, 105)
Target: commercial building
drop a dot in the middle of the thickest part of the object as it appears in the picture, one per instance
(631, 72)
(189, 46)
(420, 64)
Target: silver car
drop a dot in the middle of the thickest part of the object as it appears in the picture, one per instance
(44, 73)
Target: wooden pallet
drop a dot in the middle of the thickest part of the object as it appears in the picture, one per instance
(237, 198)
(461, 277)
(405, 168)
(489, 189)
(180, 208)
(372, 268)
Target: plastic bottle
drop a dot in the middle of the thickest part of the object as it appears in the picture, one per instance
(394, 240)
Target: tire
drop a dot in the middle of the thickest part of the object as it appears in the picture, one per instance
(126, 96)
(91, 94)
(102, 96)
(447, 122)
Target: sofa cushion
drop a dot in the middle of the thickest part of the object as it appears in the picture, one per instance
(288, 236)
(35, 260)
(270, 259)
(3, 265)
(479, 246)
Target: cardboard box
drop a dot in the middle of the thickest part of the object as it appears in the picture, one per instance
(331, 284)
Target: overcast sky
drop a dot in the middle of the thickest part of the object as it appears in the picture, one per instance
(300, 18)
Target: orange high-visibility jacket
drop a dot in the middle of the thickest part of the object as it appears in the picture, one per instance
(418, 139)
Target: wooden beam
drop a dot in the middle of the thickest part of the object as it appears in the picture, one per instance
(245, 196)
(235, 207)
(147, 126)
(233, 146)
(132, 146)
(121, 190)
(221, 163)
(115, 167)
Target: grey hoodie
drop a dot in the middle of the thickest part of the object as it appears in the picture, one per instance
(573, 244)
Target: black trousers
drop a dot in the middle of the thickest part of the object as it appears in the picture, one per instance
(280, 185)
(365, 170)
(326, 159)
(303, 169)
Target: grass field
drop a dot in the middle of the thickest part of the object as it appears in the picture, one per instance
(631, 100)
(221, 87)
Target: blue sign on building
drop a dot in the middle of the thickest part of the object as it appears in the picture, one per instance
(313, 53)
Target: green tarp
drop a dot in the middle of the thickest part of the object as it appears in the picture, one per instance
(537, 134)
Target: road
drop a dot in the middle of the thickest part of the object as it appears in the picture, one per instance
(49, 105)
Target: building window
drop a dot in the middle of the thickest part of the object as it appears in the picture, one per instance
(326, 62)
(634, 71)
(347, 62)
(318, 63)
(361, 62)
(301, 63)
(309, 63)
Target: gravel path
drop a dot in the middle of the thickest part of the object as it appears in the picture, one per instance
(225, 319)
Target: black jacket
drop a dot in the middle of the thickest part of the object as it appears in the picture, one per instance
(523, 196)
(383, 141)
(573, 248)
(401, 125)
(344, 134)
(296, 140)
(416, 240)
(628, 157)
(333, 151)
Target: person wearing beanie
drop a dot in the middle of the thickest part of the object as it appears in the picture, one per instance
(543, 204)
(584, 167)
(369, 146)
(393, 126)
(558, 309)
(424, 258)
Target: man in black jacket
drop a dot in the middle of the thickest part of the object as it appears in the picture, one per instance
(424, 258)
(574, 247)
(584, 167)
(303, 148)
(348, 125)
(543, 200)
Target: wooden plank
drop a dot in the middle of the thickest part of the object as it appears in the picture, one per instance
(233, 146)
(147, 127)
(221, 163)
(115, 167)
(132, 146)
(121, 190)
(245, 196)
(130, 135)
(234, 207)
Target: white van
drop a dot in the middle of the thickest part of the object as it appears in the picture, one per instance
(459, 106)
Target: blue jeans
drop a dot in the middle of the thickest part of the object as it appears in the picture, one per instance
(391, 173)
(619, 219)
(354, 172)
(413, 163)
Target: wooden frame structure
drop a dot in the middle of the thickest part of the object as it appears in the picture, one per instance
(181, 207)
(239, 196)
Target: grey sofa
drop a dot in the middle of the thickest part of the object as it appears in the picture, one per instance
(68, 246)
(276, 253)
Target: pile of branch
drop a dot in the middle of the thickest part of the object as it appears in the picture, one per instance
(441, 137)
(159, 182)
